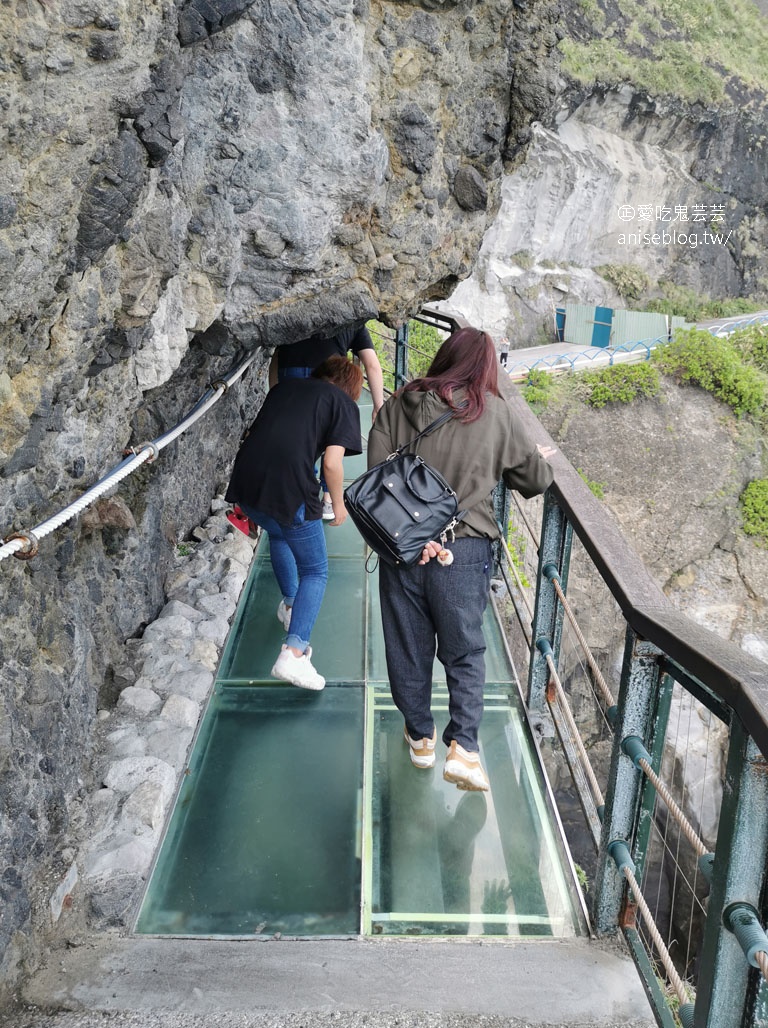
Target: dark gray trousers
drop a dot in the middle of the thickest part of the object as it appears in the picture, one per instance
(439, 609)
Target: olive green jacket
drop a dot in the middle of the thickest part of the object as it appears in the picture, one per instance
(472, 458)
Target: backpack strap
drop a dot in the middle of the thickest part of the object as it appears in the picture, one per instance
(430, 428)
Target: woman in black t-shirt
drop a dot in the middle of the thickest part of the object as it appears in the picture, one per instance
(273, 481)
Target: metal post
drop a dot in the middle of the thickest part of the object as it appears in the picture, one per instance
(501, 512)
(401, 356)
(555, 556)
(648, 792)
(727, 993)
(638, 696)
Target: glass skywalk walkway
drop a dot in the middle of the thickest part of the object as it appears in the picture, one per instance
(301, 814)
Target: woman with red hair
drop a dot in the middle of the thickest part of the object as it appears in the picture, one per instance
(437, 605)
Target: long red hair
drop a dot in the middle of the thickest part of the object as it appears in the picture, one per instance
(466, 360)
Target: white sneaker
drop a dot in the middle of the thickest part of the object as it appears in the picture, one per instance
(464, 769)
(297, 670)
(284, 615)
(328, 514)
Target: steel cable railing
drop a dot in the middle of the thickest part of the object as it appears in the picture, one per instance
(24, 544)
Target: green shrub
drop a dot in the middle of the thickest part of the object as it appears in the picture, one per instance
(423, 343)
(713, 364)
(684, 302)
(537, 389)
(620, 383)
(754, 508)
(752, 345)
(523, 259)
(629, 281)
(596, 488)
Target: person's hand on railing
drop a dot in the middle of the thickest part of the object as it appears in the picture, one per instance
(546, 451)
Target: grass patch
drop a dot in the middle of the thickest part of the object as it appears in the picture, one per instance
(689, 305)
(754, 509)
(684, 48)
(596, 488)
(620, 383)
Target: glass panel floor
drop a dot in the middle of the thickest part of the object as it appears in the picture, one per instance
(301, 814)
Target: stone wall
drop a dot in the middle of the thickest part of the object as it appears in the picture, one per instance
(179, 183)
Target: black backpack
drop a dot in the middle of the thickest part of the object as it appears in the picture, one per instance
(402, 503)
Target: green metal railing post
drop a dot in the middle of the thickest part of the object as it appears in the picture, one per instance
(401, 355)
(728, 986)
(554, 558)
(648, 792)
(636, 716)
(501, 512)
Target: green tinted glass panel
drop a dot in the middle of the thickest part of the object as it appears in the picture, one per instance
(265, 836)
(447, 862)
(337, 638)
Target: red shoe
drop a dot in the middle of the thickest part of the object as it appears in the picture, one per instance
(242, 522)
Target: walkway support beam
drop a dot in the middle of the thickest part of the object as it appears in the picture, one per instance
(636, 716)
(401, 355)
(554, 559)
(728, 994)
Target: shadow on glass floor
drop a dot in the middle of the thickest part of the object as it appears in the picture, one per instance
(447, 862)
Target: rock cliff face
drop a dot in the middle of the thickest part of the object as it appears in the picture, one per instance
(183, 181)
(180, 182)
(564, 210)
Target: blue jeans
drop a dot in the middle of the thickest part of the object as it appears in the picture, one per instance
(427, 609)
(300, 563)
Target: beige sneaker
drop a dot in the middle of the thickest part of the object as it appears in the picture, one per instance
(464, 769)
(421, 751)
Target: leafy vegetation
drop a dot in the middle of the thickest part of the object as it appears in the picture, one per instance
(754, 509)
(715, 365)
(620, 383)
(752, 345)
(423, 343)
(689, 305)
(537, 389)
(629, 281)
(684, 48)
(596, 488)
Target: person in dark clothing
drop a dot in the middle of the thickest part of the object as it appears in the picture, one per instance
(298, 360)
(437, 605)
(273, 482)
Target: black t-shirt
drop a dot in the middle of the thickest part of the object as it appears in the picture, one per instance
(310, 353)
(274, 468)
